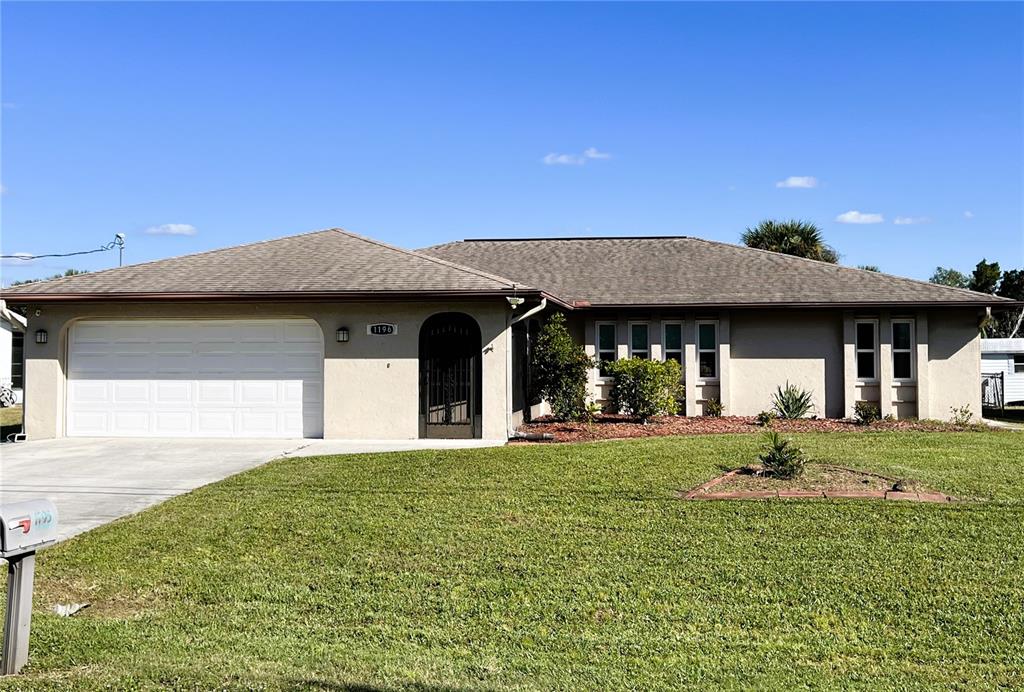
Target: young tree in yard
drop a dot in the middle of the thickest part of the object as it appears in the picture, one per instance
(560, 368)
(799, 238)
(949, 277)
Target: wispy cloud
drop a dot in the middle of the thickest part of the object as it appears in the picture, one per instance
(910, 220)
(3, 189)
(16, 261)
(588, 154)
(855, 216)
(172, 229)
(798, 181)
(968, 214)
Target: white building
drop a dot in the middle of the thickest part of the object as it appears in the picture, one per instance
(12, 335)
(1005, 356)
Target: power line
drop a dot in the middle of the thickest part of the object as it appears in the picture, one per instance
(117, 242)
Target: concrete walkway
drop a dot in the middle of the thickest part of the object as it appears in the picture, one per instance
(96, 480)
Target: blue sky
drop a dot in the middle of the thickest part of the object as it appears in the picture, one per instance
(209, 125)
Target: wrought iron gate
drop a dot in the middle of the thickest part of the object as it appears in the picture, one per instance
(449, 377)
(992, 391)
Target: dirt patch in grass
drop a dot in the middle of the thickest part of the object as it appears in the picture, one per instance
(615, 427)
(818, 481)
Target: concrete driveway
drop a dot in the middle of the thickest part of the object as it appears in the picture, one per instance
(96, 480)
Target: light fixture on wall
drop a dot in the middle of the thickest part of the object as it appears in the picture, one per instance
(41, 336)
(342, 335)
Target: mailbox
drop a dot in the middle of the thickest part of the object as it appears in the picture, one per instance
(27, 527)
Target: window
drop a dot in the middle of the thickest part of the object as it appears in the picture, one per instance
(707, 350)
(639, 340)
(867, 350)
(903, 350)
(1018, 364)
(606, 342)
(672, 341)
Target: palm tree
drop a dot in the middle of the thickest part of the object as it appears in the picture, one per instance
(799, 238)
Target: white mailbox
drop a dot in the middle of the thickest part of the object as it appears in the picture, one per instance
(27, 527)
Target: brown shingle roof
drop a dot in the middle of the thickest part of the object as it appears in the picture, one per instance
(330, 261)
(689, 271)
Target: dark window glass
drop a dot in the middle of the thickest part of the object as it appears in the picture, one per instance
(706, 361)
(706, 336)
(606, 337)
(865, 335)
(673, 337)
(677, 357)
(901, 335)
(866, 366)
(901, 365)
(638, 336)
(1018, 364)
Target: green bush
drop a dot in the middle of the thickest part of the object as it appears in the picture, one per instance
(866, 412)
(791, 402)
(645, 388)
(781, 458)
(713, 408)
(961, 415)
(765, 418)
(560, 368)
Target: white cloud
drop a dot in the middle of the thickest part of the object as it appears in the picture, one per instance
(799, 181)
(968, 214)
(910, 220)
(575, 159)
(16, 262)
(3, 189)
(172, 229)
(855, 216)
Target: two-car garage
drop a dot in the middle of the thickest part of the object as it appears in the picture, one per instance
(195, 378)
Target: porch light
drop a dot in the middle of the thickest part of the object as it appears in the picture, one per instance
(342, 335)
(41, 336)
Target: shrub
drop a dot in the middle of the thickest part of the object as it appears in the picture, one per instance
(645, 388)
(560, 368)
(961, 415)
(866, 412)
(781, 458)
(713, 408)
(791, 402)
(765, 418)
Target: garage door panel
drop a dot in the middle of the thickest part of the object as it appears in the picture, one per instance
(213, 378)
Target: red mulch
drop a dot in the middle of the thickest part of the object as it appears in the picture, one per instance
(613, 427)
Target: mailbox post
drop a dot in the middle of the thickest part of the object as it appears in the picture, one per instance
(25, 527)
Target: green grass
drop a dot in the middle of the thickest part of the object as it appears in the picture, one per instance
(10, 416)
(554, 567)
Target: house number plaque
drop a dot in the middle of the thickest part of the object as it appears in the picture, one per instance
(382, 329)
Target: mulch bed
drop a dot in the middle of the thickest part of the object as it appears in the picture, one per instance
(616, 427)
(819, 481)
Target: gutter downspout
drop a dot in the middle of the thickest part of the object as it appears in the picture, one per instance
(508, 363)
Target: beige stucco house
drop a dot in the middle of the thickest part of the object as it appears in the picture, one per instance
(336, 335)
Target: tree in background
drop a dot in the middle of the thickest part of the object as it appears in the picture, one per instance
(797, 238)
(985, 277)
(559, 367)
(69, 272)
(949, 277)
(869, 267)
(1011, 286)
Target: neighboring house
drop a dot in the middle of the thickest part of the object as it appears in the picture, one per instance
(333, 334)
(1005, 357)
(12, 339)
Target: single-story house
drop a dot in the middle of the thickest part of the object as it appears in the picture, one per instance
(337, 335)
(12, 338)
(1004, 358)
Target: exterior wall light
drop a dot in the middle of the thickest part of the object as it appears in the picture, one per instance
(342, 335)
(41, 336)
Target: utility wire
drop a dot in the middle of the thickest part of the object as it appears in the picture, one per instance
(117, 242)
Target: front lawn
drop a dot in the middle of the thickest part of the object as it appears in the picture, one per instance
(558, 566)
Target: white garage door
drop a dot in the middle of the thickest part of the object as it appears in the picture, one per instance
(205, 378)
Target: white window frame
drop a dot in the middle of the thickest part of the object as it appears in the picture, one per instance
(664, 341)
(597, 345)
(911, 350)
(696, 339)
(629, 337)
(1014, 365)
(857, 351)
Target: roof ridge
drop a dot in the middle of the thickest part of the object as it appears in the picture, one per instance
(920, 282)
(174, 257)
(435, 260)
